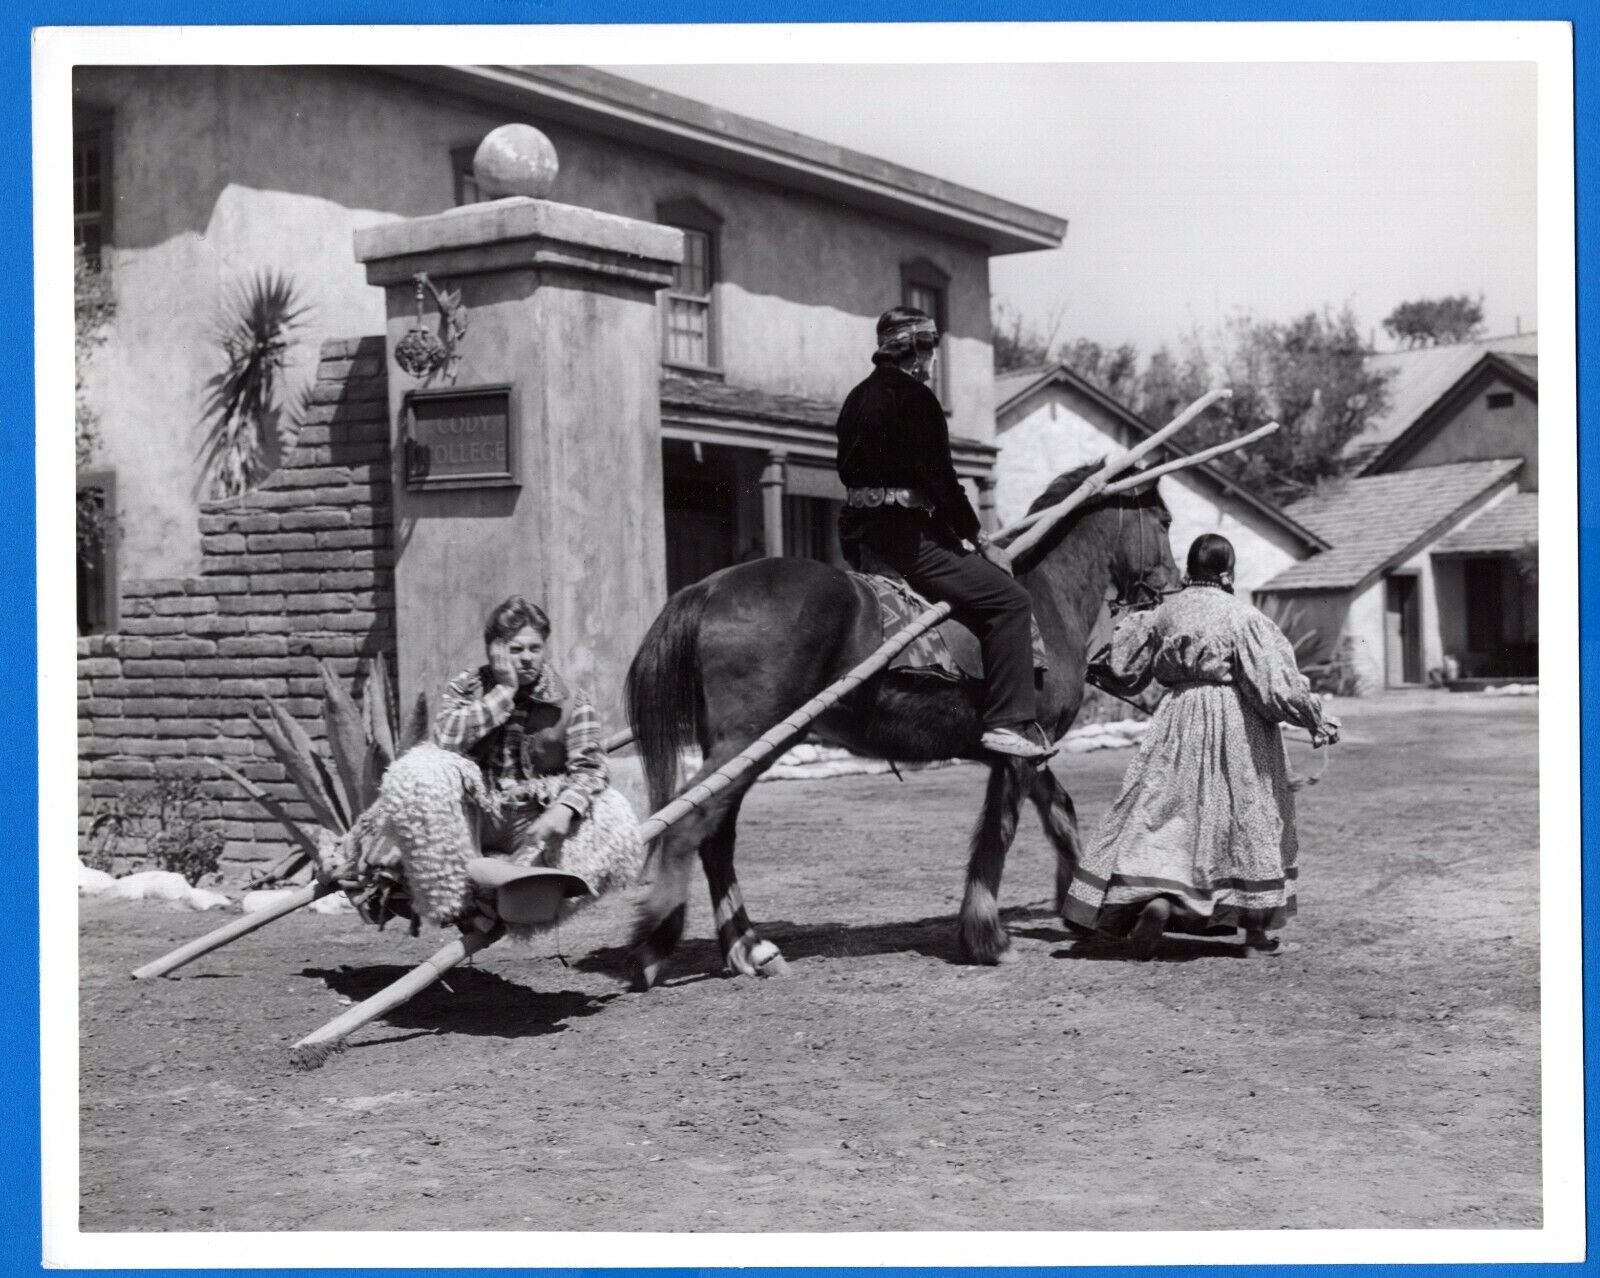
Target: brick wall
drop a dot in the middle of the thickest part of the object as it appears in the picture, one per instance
(299, 570)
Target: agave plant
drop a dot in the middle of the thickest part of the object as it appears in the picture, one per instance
(363, 738)
(242, 407)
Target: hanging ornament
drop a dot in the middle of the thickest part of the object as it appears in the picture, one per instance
(420, 353)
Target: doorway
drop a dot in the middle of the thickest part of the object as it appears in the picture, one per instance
(1402, 630)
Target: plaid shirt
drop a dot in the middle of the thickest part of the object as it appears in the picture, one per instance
(490, 722)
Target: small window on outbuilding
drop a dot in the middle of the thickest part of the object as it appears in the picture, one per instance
(1500, 399)
(97, 552)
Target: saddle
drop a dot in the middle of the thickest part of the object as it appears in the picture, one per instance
(948, 651)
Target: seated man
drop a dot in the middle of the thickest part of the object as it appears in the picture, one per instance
(536, 739)
(906, 506)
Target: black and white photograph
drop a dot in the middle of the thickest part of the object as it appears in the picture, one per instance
(915, 645)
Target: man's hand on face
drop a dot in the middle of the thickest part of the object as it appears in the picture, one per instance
(505, 671)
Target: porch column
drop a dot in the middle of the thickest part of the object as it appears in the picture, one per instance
(773, 478)
(986, 516)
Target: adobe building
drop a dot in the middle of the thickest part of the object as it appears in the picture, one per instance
(649, 366)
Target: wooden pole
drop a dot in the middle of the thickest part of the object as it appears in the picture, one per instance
(1114, 465)
(233, 931)
(315, 1048)
(1193, 459)
(617, 740)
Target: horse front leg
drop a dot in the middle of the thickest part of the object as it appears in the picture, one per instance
(744, 952)
(983, 939)
(1060, 820)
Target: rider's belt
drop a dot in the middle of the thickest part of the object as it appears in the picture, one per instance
(910, 498)
(1182, 684)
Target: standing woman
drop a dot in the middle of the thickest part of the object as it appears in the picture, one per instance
(1202, 837)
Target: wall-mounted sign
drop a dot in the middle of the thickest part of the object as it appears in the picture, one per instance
(460, 438)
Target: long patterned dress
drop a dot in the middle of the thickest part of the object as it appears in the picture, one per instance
(1206, 813)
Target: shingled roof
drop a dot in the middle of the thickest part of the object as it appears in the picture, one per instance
(1418, 379)
(1374, 521)
(1508, 525)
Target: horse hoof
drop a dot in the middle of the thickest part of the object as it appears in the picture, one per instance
(757, 958)
(646, 976)
(769, 960)
(1006, 957)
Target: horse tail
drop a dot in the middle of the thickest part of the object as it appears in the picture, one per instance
(665, 707)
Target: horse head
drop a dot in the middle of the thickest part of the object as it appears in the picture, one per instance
(1119, 543)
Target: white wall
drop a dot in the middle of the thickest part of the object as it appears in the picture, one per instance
(1058, 431)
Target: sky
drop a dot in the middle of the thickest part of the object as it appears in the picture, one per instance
(1194, 191)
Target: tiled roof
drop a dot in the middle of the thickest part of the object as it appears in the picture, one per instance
(1372, 520)
(708, 395)
(1507, 525)
(1418, 378)
(718, 397)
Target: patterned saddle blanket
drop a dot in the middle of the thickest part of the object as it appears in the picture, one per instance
(949, 650)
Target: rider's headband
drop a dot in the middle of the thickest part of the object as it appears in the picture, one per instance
(916, 334)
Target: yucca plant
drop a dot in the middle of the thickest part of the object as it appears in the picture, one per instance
(363, 738)
(242, 406)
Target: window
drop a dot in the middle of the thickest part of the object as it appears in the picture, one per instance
(97, 552)
(1501, 399)
(91, 184)
(924, 286)
(688, 305)
(466, 181)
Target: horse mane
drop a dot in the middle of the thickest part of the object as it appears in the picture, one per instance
(1068, 482)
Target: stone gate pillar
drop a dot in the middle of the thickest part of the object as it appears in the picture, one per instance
(528, 458)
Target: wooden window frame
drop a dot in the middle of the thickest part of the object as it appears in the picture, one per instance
(96, 122)
(461, 174)
(920, 272)
(688, 214)
(110, 586)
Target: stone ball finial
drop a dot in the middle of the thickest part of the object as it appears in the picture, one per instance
(515, 159)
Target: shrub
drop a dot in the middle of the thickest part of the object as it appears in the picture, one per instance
(166, 824)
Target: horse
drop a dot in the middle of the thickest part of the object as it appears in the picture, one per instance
(738, 651)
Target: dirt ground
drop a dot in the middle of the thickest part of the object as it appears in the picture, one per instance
(1382, 1073)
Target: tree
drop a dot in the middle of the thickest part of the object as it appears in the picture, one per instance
(1309, 374)
(1114, 369)
(1019, 344)
(1436, 321)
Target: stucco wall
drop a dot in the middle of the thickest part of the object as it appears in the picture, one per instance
(1479, 433)
(1058, 431)
(221, 172)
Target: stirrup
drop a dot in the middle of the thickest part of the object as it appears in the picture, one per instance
(1014, 745)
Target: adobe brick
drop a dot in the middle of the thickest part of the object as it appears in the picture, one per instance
(320, 560)
(312, 520)
(219, 585)
(267, 623)
(380, 558)
(85, 688)
(219, 625)
(254, 646)
(353, 539)
(245, 564)
(129, 646)
(124, 687)
(162, 706)
(100, 707)
(263, 543)
(240, 604)
(222, 544)
(141, 586)
(322, 645)
(154, 625)
(152, 668)
(239, 522)
(200, 729)
(192, 686)
(127, 769)
(348, 579)
(99, 667)
(252, 687)
(187, 647)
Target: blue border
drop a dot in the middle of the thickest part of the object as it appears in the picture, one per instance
(20, 1234)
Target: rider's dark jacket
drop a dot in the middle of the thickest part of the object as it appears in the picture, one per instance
(893, 434)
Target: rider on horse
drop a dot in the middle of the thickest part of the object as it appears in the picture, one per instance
(907, 511)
